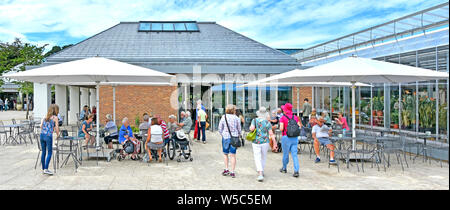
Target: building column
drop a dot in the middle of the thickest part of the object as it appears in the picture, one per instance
(92, 97)
(84, 97)
(61, 100)
(74, 103)
(42, 99)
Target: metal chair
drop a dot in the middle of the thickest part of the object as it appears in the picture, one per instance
(396, 147)
(4, 132)
(55, 152)
(438, 149)
(67, 148)
(308, 141)
(26, 131)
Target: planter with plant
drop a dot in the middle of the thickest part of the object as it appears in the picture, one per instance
(408, 111)
(335, 104)
(427, 113)
(394, 119)
(378, 105)
(443, 117)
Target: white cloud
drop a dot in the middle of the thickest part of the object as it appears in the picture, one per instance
(284, 23)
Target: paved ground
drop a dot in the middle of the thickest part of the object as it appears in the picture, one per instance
(17, 172)
(8, 115)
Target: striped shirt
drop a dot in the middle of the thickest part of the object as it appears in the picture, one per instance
(165, 130)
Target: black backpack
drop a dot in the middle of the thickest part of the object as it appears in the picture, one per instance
(293, 130)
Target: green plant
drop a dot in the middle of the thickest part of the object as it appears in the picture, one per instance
(135, 129)
(443, 115)
(394, 116)
(427, 112)
(378, 103)
(137, 120)
(408, 111)
(335, 102)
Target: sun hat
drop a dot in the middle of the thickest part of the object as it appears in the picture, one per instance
(180, 134)
(287, 108)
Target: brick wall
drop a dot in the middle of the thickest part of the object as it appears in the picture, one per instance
(305, 92)
(132, 101)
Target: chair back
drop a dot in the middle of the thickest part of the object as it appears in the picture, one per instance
(2, 129)
(143, 132)
(39, 145)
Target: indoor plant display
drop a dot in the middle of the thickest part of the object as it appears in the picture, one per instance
(394, 118)
(427, 115)
(408, 111)
(443, 117)
(378, 105)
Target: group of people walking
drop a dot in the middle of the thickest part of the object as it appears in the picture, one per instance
(264, 125)
(7, 104)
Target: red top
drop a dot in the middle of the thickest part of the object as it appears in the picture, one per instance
(344, 123)
(285, 121)
(165, 131)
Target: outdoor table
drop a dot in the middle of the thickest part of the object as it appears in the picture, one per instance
(340, 140)
(384, 130)
(72, 151)
(143, 139)
(18, 126)
(425, 137)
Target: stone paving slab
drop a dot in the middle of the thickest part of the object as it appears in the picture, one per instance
(204, 173)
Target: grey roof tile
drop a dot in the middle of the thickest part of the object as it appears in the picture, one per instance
(213, 43)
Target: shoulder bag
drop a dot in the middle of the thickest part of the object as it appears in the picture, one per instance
(235, 141)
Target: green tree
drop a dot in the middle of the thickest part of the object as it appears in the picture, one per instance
(15, 56)
(56, 49)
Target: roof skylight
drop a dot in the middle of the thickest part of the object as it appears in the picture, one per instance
(175, 26)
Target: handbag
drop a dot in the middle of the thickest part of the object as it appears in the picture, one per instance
(251, 135)
(235, 141)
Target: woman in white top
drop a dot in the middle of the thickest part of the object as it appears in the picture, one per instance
(154, 139)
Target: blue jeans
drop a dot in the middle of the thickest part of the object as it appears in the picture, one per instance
(289, 145)
(203, 124)
(227, 148)
(47, 149)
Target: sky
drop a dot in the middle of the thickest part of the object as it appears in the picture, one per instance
(278, 24)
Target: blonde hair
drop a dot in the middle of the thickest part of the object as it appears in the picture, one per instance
(230, 109)
(90, 116)
(53, 110)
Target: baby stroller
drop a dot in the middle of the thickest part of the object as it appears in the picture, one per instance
(128, 149)
(179, 142)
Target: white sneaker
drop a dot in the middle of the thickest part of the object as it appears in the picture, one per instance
(46, 171)
(260, 178)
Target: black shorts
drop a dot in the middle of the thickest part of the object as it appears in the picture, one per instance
(108, 139)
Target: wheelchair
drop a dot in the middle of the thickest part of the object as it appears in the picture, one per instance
(179, 143)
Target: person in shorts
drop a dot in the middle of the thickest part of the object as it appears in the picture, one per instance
(228, 150)
(321, 134)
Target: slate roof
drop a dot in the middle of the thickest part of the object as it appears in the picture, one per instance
(214, 45)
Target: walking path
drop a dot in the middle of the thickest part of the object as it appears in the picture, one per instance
(17, 172)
